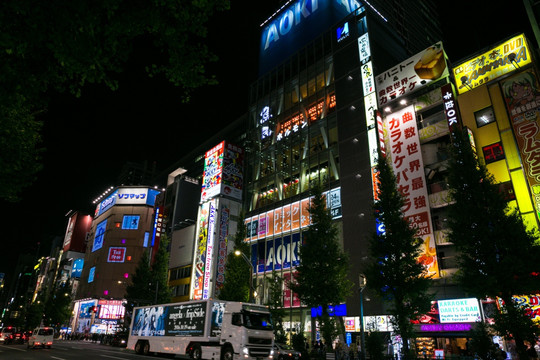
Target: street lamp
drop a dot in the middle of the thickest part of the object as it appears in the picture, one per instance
(252, 291)
(362, 285)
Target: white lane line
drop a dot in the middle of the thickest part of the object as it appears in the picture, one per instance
(54, 357)
(113, 357)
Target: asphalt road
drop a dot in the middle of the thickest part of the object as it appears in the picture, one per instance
(70, 350)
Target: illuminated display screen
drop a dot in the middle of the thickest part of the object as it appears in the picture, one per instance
(131, 222)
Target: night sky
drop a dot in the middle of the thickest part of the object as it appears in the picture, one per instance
(90, 138)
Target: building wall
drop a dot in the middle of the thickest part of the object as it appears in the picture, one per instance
(110, 279)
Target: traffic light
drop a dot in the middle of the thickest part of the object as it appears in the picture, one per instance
(94, 309)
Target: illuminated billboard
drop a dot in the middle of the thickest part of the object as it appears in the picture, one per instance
(522, 95)
(417, 71)
(296, 24)
(204, 251)
(492, 64)
(223, 172)
(459, 310)
(408, 166)
(293, 216)
(127, 196)
(100, 235)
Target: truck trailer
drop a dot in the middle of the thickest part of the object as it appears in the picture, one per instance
(204, 329)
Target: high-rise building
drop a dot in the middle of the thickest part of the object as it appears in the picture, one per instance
(312, 118)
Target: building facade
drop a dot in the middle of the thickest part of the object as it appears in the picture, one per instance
(312, 119)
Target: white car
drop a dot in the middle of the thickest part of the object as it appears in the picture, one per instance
(42, 336)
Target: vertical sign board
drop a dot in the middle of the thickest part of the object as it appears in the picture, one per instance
(450, 107)
(233, 176)
(522, 95)
(209, 256)
(223, 232)
(404, 148)
(199, 258)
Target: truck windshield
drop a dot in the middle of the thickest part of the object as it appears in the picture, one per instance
(257, 320)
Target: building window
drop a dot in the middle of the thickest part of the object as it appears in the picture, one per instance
(131, 222)
(484, 116)
(493, 152)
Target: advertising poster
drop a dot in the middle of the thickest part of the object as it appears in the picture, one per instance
(410, 75)
(233, 176)
(290, 298)
(116, 255)
(531, 304)
(200, 252)
(522, 95)
(406, 155)
(213, 170)
(100, 236)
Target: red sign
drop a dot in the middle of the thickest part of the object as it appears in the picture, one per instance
(117, 254)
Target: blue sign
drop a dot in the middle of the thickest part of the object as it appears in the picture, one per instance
(281, 253)
(131, 222)
(91, 274)
(333, 310)
(342, 32)
(298, 24)
(77, 267)
(100, 235)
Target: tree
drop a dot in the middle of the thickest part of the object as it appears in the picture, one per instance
(321, 278)
(160, 273)
(57, 308)
(60, 46)
(275, 304)
(498, 255)
(237, 285)
(395, 274)
(137, 292)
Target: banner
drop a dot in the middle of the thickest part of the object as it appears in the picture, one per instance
(522, 95)
(406, 155)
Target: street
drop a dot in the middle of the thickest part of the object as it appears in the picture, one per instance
(67, 350)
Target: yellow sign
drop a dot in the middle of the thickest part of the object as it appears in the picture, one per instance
(492, 64)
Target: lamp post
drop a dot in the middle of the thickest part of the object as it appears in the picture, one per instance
(251, 289)
(362, 286)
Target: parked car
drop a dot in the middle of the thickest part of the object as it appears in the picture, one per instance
(42, 336)
(6, 332)
(120, 339)
(286, 352)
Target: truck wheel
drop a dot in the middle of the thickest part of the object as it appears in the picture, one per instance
(227, 353)
(196, 353)
(138, 347)
(146, 348)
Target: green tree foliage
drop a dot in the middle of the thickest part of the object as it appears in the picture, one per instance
(395, 273)
(60, 46)
(34, 314)
(498, 255)
(237, 271)
(321, 278)
(160, 273)
(275, 304)
(57, 308)
(138, 291)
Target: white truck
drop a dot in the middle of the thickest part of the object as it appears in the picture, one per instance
(204, 329)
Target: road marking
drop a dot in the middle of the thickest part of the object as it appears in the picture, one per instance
(54, 357)
(13, 348)
(113, 357)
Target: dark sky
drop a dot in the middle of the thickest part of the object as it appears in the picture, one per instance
(90, 138)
